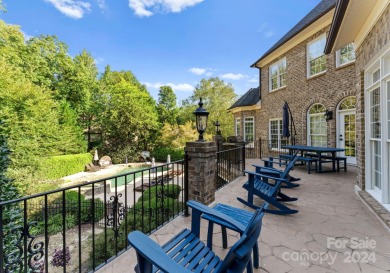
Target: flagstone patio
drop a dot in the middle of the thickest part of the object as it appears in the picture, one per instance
(334, 231)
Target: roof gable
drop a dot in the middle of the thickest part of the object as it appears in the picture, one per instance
(251, 97)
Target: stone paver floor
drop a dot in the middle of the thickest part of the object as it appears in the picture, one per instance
(332, 232)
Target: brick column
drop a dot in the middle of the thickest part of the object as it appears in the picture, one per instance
(201, 171)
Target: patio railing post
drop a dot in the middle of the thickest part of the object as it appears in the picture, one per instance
(186, 159)
(243, 158)
(201, 171)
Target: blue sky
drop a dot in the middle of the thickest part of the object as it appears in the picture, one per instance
(166, 42)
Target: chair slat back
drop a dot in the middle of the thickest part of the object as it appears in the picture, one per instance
(239, 255)
(290, 165)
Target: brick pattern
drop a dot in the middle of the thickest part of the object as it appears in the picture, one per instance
(301, 93)
(201, 171)
(377, 38)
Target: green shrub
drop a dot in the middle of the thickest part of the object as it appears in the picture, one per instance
(147, 215)
(172, 191)
(54, 224)
(71, 210)
(59, 166)
(161, 154)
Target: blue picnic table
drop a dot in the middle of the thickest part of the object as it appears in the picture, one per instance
(319, 151)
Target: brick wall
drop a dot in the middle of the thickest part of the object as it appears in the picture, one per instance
(377, 38)
(301, 93)
(242, 115)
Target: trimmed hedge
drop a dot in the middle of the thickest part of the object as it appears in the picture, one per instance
(161, 154)
(170, 190)
(59, 166)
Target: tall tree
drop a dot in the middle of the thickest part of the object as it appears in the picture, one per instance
(129, 120)
(166, 106)
(217, 97)
(32, 123)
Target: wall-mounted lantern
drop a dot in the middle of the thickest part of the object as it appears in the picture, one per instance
(328, 115)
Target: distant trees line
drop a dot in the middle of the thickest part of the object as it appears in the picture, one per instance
(53, 104)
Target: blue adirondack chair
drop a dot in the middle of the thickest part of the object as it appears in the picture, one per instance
(240, 215)
(285, 174)
(185, 252)
(259, 184)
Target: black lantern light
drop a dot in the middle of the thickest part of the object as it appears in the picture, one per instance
(218, 132)
(201, 119)
(328, 115)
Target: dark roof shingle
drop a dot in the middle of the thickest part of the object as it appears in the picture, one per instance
(322, 8)
(249, 98)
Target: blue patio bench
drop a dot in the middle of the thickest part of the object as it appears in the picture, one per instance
(258, 184)
(328, 158)
(303, 159)
(185, 252)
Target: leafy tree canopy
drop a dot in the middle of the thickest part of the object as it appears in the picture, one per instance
(217, 97)
(166, 106)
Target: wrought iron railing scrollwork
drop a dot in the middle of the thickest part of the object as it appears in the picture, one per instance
(86, 225)
(116, 214)
(14, 260)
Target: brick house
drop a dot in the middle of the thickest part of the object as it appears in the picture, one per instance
(336, 59)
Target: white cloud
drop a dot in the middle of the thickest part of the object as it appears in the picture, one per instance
(262, 27)
(149, 7)
(269, 34)
(201, 71)
(26, 36)
(254, 80)
(266, 31)
(176, 87)
(233, 76)
(197, 71)
(99, 60)
(102, 4)
(72, 8)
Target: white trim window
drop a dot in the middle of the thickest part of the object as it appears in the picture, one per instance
(316, 59)
(345, 55)
(317, 128)
(238, 126)
(277, 75)
(377, 121)
(275, 134)
(249, 129)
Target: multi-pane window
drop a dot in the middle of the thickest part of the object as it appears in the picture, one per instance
(345, 55)
(316, 59)
(275, 132)
(375, 120)
(249, 129)
(317, 135)
(238, 126)
(277, 74)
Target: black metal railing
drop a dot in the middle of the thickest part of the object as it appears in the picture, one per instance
(230, 165)
(80, 228)
(261, 148)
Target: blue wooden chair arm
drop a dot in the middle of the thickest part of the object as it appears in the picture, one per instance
(267, 168)
(153, 254)
(261, 175)
(198, 209)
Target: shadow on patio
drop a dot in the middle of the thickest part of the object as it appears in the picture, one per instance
(332, 232)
